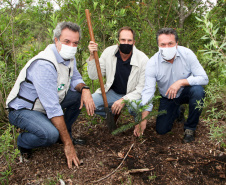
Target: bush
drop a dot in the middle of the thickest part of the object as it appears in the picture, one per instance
(214, 60)
(7, 152)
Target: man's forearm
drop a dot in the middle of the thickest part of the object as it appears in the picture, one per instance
(69, 149)
(139, 128)
(59, 123)
(184, 82)
(145, 114)
(91, 57)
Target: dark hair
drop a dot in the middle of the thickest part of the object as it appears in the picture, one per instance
(126, 28)
(167, 31)
(63, 25)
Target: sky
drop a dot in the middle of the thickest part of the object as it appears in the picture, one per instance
(14, 2)
(213, 1)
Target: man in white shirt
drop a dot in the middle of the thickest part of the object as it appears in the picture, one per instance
(180, 77)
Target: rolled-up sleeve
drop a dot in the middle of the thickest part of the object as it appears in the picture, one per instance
(199, 76)
(150, 83)
(76, 78)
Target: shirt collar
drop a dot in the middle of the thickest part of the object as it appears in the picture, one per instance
(119, 57)
(134, 57)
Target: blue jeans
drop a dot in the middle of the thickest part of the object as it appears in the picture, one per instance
(39, 130)
(190, 95)
(111, 98)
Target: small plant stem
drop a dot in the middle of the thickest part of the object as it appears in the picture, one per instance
(116, 168)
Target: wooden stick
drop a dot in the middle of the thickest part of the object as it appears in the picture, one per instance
(96, 59)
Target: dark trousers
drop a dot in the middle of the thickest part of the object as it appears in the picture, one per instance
(71, 104)
(190, 95)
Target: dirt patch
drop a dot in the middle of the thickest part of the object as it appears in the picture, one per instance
(168, 160)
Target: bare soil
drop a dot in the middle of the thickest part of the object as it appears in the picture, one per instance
(164, 159)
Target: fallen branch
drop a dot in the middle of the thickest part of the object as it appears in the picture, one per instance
(139, 170)
(170, 159)
(207, 162)
(115, 169)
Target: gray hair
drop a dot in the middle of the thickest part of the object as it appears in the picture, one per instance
(63, 25)
(167, 31)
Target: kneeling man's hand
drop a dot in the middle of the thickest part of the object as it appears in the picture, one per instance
(117, 106)
(87, 99)
(71, 155)
(173, 89)
(139, 128)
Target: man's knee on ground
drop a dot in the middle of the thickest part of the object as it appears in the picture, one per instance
(164, 124)
(162, 131)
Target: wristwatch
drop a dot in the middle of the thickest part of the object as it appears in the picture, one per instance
(84, 87)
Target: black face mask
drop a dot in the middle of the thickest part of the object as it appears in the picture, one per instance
(125, 48)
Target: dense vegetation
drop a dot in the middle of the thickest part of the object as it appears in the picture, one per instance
(26, 29)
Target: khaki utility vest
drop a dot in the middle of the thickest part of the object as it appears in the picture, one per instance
(64, 74)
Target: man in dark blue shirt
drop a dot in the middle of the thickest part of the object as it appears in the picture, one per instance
(124, 67)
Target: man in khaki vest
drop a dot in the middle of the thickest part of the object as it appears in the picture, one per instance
(48, 84)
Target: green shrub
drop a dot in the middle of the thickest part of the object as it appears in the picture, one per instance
(7, 152)
(214, 60)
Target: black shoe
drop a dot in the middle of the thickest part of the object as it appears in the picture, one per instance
(26, 153)
(59, 141)
(181, 118)
(189, 136)
(78, 141)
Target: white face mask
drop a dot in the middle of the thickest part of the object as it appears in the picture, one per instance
(67, 52)
(168, 53)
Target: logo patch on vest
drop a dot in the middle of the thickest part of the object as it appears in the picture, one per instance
(60, 87)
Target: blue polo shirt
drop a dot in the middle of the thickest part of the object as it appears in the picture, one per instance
(123, 69)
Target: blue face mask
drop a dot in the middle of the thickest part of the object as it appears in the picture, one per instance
(125, 48)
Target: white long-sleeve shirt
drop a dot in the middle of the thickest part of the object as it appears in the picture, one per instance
(184, 66)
